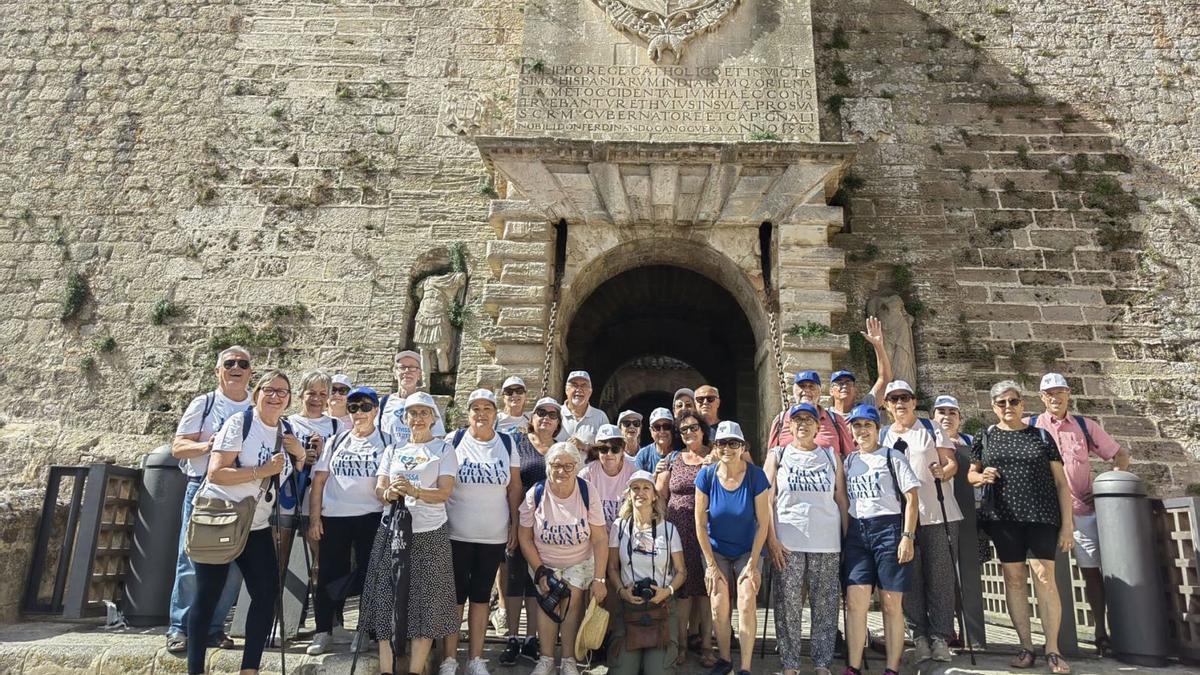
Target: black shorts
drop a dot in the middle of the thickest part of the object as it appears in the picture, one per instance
(520, 583)
(1015, 540)
(475, 568)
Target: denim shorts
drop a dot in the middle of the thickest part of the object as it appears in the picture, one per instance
(869, 554)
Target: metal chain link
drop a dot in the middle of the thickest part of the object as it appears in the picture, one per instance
(777, 344)
(550, 329)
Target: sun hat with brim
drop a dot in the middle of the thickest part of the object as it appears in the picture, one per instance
(591, 630)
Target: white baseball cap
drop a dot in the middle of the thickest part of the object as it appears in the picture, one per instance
(609, 432)
(579, 375)
(897, 385)
(1053, 381)
(629, 413)
(639, 475)
(547, 402)
(482, 395)
(727, 430)
(661, 414)
(410, 354)
(513, 381)
(341, 379)
(945, 401)
(421, 399)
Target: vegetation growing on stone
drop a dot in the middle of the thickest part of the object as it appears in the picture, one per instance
(74, 297)
(810, 329)
(105, 344)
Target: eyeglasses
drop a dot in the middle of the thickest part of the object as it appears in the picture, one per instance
(631, 424)
(608, 449)
(729, 445)
(689, 428)
(419, 413)
(1007, 402)
(900, 398)
(576, 387)
(340, 390)
(561, 466)
(552, 414)
(706, 399)
(365, 406)
(244, 364)
(804, 420)
(409, 369)
(842, 384)
(660, 427)
(515, 391)
(272, 392)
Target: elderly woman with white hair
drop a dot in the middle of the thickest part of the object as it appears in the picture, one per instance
(562, 536)
(1026, 508)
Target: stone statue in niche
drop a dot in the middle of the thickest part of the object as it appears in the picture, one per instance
(897, 335)
(433, 331)
(666, 24)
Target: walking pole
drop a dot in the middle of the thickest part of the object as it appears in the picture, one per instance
(962, 621)
(360, 631)
(279, 592)
(762, 651)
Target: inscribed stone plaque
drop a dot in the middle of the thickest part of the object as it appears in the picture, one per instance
(668, 70)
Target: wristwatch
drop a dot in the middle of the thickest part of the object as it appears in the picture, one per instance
(909, 535)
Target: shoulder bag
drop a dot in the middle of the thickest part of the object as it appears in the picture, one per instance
(218, 528)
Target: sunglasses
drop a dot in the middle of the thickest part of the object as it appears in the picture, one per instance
(660, 427)
(244, 364)
(631, 424)
(729, 445)
(365, 406)
(1007, 402)
(608, 450)
(900, 398)
(689, 428)
(340, 391)
(705, 399)
(552, 414)
(513, 392)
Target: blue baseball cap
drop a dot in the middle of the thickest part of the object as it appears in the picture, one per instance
(808, 376)
(840, 374)
(864, 412)
(363, 392)
(804, 408)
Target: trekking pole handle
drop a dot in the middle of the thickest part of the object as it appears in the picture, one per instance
(937, 483)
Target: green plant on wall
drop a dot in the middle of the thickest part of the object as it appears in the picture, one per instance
(74, 297)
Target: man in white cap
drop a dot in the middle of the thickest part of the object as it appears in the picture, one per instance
(512, 418)
(339, 388)
(577, 409)
(630, 422)
(407, 370)
(662, 440)
(683, 401)
(1078, 437)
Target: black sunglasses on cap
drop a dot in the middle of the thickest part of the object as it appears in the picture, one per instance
(244, 364)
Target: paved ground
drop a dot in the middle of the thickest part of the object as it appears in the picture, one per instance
(45, 647)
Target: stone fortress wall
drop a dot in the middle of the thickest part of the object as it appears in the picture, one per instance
(181, 175)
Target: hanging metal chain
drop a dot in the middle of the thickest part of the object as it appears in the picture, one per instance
(777, 344)
(550, 330)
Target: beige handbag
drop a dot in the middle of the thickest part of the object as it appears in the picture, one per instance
(218, 528)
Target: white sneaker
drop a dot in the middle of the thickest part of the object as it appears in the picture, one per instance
(569, 667)
(477, 666)
(940, 650)
(449, 666)
(921, 650)
(320, 644)
(499, 620)
(343, 636)
(545, 666)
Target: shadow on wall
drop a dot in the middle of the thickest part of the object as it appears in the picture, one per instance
(1019, 230)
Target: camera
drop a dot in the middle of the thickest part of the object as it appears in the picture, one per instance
(644, 589)
(557, 590)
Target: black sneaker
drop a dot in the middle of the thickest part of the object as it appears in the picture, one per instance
(839, 645)
(221, 641)
(512, 649)
(531, 650)
(723, 667)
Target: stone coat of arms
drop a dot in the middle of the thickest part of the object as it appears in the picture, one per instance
(666, 24)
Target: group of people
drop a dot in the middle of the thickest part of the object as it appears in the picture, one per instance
(556, 508)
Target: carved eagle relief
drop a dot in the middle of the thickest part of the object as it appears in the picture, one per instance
(666, 24)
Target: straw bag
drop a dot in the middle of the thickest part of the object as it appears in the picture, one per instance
(591, 630)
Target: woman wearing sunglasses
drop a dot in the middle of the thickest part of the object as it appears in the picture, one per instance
(339, 388)
(609, 473)
(344, 512)
(676, 483)
(733, 516)
(1026, 508)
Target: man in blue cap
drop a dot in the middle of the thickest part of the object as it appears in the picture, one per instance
(833, 433)
(843, 388)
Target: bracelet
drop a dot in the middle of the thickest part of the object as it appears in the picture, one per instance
(672, 589)
(254, 473)
(599, 579)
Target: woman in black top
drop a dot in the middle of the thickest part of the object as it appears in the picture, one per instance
(1026, 507)
(546, 420)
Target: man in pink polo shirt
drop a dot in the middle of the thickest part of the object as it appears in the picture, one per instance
(832, 432)
(1078, 437)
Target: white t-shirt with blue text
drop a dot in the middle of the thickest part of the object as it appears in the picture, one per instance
(478, 506)
(422, 464)
(256, 450)
(223, 408)
(353, 467)
(869, 483)
(391, 421)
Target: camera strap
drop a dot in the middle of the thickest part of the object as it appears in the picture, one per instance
(653, 550)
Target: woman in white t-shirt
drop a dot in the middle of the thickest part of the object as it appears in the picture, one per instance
(808, 494)
(250, 447)
(878, 547)
(646, 566)
(339, 389)
(313, 427)
(483, 522)
(421, 471)
(344, 512)
(609, 474)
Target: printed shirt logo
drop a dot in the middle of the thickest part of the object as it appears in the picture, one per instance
(570, 534)
(644, 543)
(409, 465)
(810, 479)
(346, 465)
(865, 485)
(611, 507)
(491, 472)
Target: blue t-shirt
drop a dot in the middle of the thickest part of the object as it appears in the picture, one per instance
(731, 518)
(647, 458)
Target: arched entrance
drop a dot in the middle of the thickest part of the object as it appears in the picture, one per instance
(643, 331)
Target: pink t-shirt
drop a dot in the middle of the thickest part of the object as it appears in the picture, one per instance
(833, 432)
(610, 489)
(1073, 447)
(560, 526)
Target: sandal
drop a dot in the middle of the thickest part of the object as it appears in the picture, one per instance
(709, 660)
(1023, 659)
(1057, 664)
(681, 659)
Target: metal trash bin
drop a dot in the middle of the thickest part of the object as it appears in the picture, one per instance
(1132, 580)
(151, 573)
